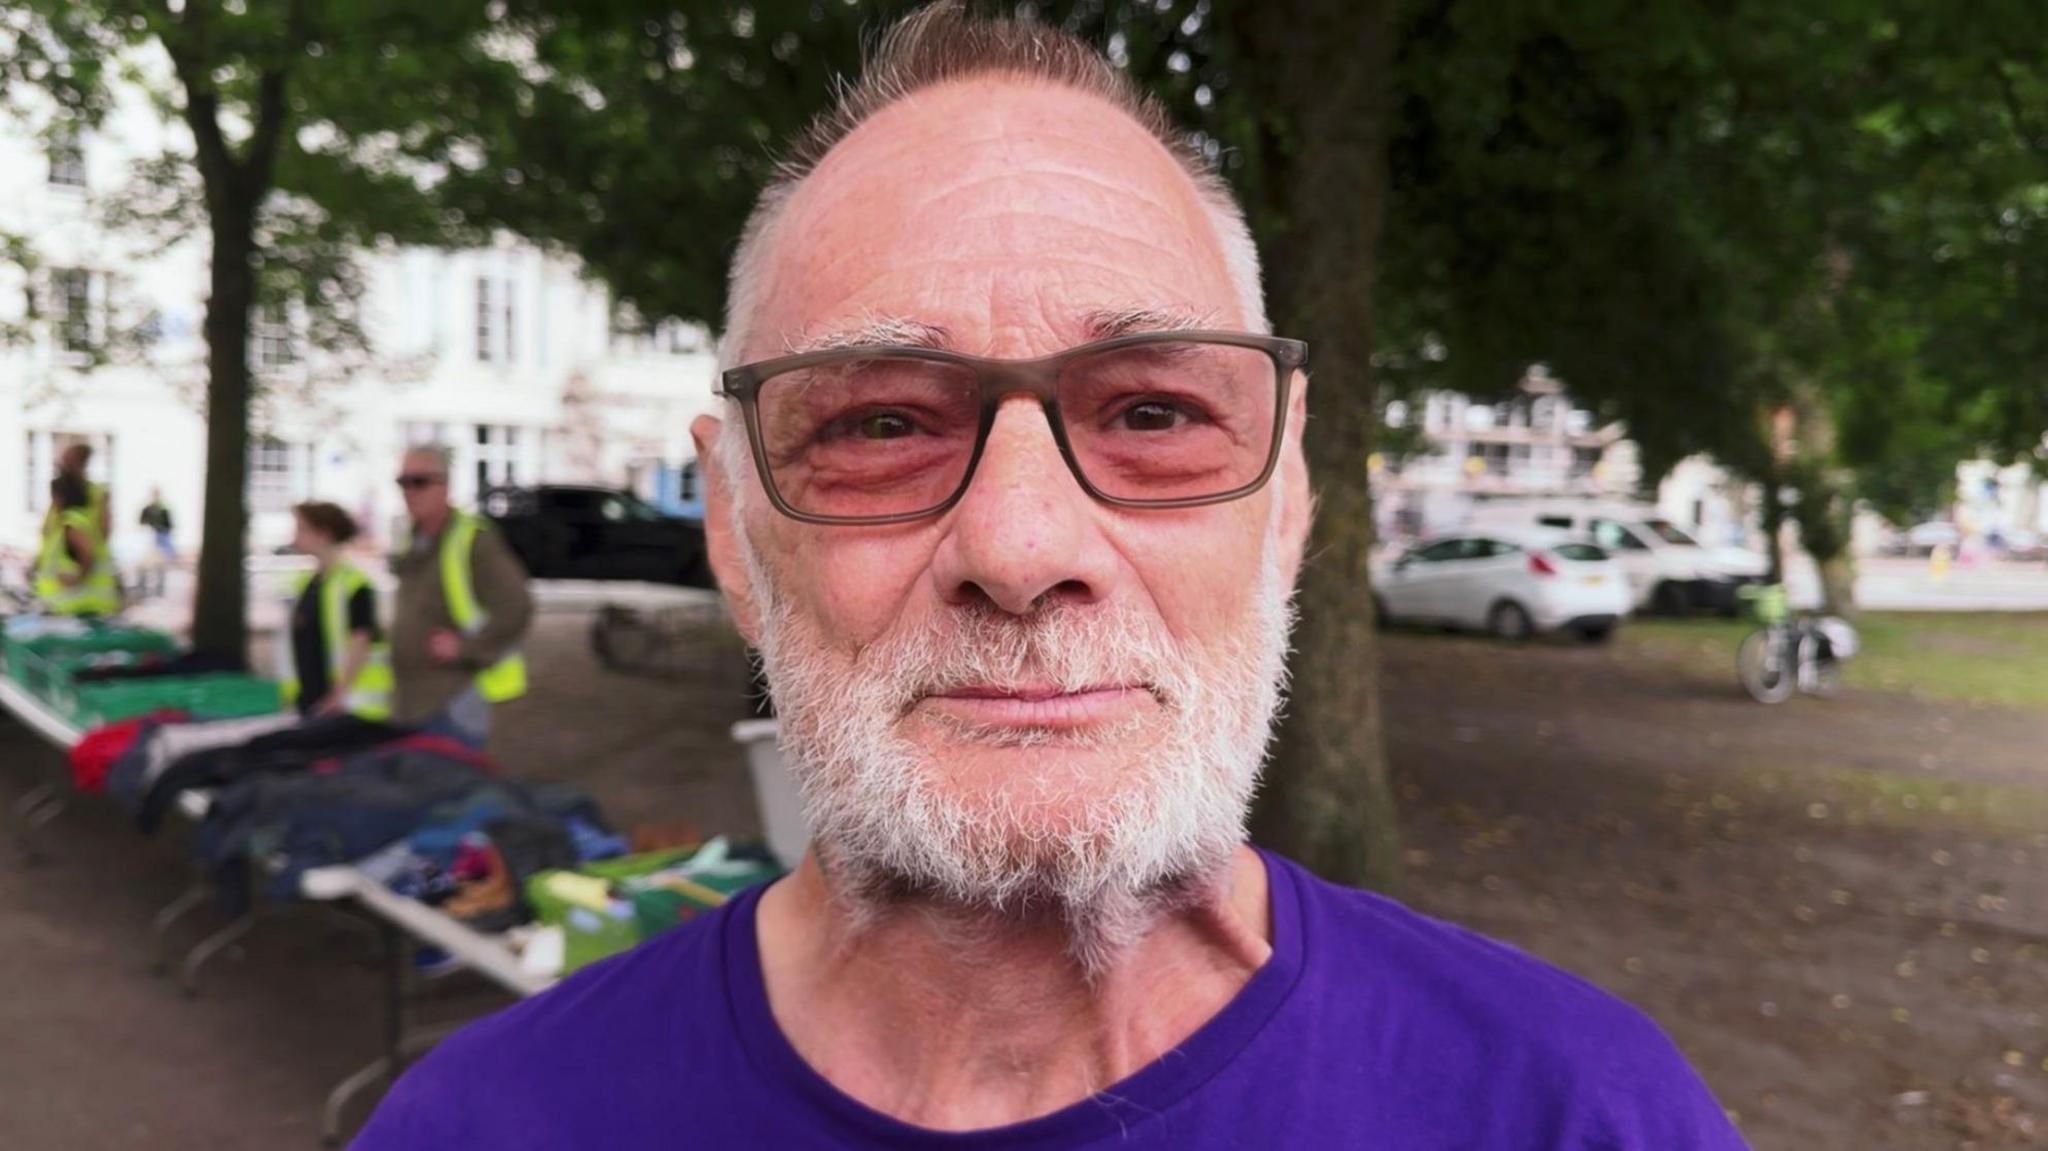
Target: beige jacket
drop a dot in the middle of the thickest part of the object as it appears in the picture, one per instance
(423, 686)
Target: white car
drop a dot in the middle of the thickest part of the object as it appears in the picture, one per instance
(1514, 585)
(1668, 571)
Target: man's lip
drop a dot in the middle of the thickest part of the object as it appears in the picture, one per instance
(1036, 706)
(1032, 693)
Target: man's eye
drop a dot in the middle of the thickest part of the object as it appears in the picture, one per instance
(1153, 416)
(884, 426)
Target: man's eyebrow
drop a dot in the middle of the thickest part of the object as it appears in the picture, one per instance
(1113, 322)
(872, 332)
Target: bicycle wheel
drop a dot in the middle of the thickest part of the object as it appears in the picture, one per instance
(1761, 663)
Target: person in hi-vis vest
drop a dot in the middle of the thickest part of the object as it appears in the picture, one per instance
(462, 610)
(334, 661)
(74, 462)
(74, 573)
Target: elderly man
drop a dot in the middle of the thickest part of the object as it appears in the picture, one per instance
(462, 608)
(1011, 496)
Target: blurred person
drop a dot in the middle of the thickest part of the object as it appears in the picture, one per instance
(1026, 659)
(74, 572)
(74, 461)
(156, 519)
(463, 608)
(335, 662)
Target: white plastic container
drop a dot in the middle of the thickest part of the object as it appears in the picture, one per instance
(775, 792)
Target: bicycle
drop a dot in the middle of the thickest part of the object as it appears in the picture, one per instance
(1789, 655)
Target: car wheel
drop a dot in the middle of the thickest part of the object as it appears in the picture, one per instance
(1510, 622)
(1668, 599)
(1380, 619)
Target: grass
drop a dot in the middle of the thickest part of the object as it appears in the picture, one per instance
(1989, 658)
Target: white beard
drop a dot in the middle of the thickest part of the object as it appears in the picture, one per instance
(1105, 861)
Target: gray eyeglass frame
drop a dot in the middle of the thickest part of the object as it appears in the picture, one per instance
(998, 380)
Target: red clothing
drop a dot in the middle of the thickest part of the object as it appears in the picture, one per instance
(97, 750)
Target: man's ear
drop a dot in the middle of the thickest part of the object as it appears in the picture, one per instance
(1297, 499)
(719, 545)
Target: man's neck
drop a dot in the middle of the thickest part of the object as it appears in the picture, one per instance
(428, 526)
(960, 1026)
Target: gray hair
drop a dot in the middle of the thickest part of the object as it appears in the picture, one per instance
(944, 43)
(442, 455)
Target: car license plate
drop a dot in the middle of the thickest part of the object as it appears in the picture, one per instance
(1593, 580)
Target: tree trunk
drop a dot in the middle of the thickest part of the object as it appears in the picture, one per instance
(219, 615)
(1327, 802)
(1773, 516)
(1838, 584)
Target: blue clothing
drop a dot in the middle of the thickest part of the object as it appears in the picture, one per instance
(1370, 1027)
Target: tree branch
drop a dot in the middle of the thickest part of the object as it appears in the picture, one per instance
(2020, 123)
(271, 111)
(185, 40)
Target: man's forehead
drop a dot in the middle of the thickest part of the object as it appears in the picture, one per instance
(986, 207)
(869, 330)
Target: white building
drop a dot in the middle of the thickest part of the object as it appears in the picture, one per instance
(1537, 443)
(506, 354)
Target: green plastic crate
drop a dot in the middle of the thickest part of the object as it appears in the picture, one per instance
(39, 663)
(218, 695)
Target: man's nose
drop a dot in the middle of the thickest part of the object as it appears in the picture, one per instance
(1025, 532)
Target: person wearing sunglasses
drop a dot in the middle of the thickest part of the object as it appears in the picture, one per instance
(462, 609)
(1009, 492)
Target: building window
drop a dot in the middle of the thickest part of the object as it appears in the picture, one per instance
(511, 329)
(1584, 460)
(497, 456)
(273, 339)
(495, 321)
(71, 299)
(486, 328)
(67, 158)
(280, 473)
(1493, 459)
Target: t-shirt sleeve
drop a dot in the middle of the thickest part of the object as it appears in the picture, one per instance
(362, 612)
(1650, 1099)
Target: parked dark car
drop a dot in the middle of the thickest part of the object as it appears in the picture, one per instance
(563, 531)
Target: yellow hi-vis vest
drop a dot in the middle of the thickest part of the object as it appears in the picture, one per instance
(504, 680)
(370, 695)
(98, 593)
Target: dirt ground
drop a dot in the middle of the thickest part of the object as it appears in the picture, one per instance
(1838, 908)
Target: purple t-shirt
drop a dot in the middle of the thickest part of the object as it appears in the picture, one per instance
(1370, 1027)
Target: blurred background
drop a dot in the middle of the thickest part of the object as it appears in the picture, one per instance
(1680, 608)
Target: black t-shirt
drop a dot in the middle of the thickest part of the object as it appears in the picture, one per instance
(156, 517)
(309, 646)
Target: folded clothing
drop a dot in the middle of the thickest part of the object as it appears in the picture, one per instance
(275, 827)
(97, 750)
(269, 747)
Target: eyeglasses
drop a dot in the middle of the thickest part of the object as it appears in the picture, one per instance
(415, 481)
(890, 434)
